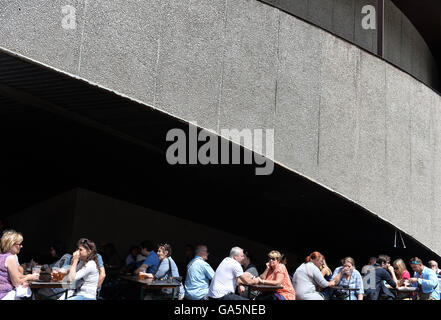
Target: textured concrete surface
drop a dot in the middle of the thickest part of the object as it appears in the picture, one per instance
(342, 117)
(343, 18)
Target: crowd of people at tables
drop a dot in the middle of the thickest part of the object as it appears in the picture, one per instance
(233, 279)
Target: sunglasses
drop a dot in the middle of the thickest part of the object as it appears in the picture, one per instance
(272, 259)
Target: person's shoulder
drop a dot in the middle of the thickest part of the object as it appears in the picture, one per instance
(356, 272)
(280, 268)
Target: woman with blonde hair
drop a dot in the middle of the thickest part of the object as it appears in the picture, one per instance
(400, 270)
(10, 276)
(276, 274)
(348, 276)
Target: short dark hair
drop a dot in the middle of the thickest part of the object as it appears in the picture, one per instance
(249, 254)
(383, 258)
(59, 248)
(146, 245)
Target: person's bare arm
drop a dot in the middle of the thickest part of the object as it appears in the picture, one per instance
(392, 274)
(264, 274)
(73, 266)
(246, 279)
(277, 282)
(17, 278)
(102, 276)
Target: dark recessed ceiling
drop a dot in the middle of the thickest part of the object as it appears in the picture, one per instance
(426, 17)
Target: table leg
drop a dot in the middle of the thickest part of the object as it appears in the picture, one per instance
(142, 293)
(173, 294)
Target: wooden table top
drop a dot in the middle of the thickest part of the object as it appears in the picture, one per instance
(151, 283)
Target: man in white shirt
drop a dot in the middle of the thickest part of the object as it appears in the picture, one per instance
(228, 275)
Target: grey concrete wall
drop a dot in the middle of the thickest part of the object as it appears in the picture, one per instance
(404, 46)
(342, 117)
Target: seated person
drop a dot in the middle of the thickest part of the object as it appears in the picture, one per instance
(167, 269)
(248, 266)
(425, 280)
(276, 275)
(199, 275)
(308, 281)
(151, 262)
(130, 261)
(348, 276)
(56, 250)
(228, 275)
(87, 275)
(375, 277)
(11, 278)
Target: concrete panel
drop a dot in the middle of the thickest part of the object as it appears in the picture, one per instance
(339, 108)
(298, 96)
(298, 7)
(367, 39)
(190, 59)
(372, 142)
(422, 142)
(250, 66)
(406, 45)
(34, 29)
(392, 33)
(418, 56)
(436, 176)
(343, 19)
(121, 40)
(320, 13)
(398, 148)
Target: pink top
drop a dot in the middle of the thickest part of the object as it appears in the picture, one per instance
(405, 275)
(288, 290)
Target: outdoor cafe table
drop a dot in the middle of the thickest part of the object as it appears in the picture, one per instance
(34, 285)
(150, 284)
(346, 289)
(403, 290)
(262, 288)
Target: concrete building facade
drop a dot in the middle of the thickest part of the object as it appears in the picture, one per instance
(343, 117)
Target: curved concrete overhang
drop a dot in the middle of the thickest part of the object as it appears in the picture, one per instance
(407, 34)
(342, 117)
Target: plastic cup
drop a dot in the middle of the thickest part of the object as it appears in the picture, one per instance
(54, 274)
(36, 270)
(142, 275)
(61, 274)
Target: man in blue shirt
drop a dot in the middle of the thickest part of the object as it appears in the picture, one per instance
(425, 279)
(199, 275)
(150, 264)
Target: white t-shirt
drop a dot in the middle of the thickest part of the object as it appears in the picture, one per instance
(86, 279)
(225, 278)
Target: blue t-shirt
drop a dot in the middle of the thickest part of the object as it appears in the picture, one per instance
(152, 262)
(99, 259)
(199, 275)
